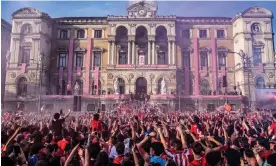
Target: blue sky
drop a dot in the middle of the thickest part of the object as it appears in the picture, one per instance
(104, 8)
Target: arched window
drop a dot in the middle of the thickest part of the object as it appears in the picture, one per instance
(121, 85)
(204, 87)
(222, 59)
(22, 87)
(204, 59)
(260, 83)
(80, 33)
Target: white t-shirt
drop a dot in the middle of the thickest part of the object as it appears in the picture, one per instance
(113, 153)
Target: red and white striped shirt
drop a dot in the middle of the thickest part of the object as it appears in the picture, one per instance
(179, 157)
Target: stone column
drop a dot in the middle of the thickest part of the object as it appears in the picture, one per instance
(169, 52)
(128, 52)
(70, 64)
(115, 54)
(133, 52)
(149, 50)
(214, 64)
(108, 53)
(112, 52)
(153, 53)
(196, 66)
(87, 64)
(173, 52)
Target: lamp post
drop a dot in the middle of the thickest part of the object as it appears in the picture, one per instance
(151, 79)
(246, 68)
(40, 65)
(179, 91)
(41, 57)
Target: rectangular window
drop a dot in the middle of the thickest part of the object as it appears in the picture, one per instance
(62, 60)
(186, 33)
(220, 34)
(203, 33)
(186, 59)
(122, 58)
(79, 57)
(204, 59)
(80, 33)
(222, 59)
(161, 58)
(97, 59)
(257, 55)
(25, 58)
(63, 34)
(98, 34)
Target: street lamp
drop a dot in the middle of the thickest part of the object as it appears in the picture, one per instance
(179, 91)
(246, 68)
(40, 65)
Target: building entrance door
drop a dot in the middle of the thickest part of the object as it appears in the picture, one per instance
(141, 86)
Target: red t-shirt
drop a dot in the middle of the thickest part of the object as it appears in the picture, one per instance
(118, 160)
(273, 127)
(96, 125)
(201, 162)
(62, 144)
(265, 154)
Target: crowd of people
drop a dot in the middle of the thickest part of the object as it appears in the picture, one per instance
(138, 134)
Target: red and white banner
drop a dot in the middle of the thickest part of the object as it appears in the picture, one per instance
(23, 67)
(141, 59)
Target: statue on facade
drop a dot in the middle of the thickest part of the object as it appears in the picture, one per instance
(163, 86)
(116, 86)
(76, 89)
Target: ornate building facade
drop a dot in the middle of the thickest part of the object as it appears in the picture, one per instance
(5, 47)
(86, 63)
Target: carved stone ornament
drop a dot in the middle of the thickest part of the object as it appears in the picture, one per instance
(32, 75)
(204, 49)
(258, 43)
(222, 49)
(251, 75)
(98, 49)
(29, 12)
(79, 49)
(112, 25)
(27, 29)
(13, 75)
(270, 75)
(132, 25)
(152, 76)
(60, 49)
(131, 76)
(110, 76)
(256, 28)
(152, 25)
(172, 75)
(255, 10)
(26, 44)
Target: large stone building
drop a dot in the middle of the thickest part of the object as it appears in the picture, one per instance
(105, 59)
(5, 47)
